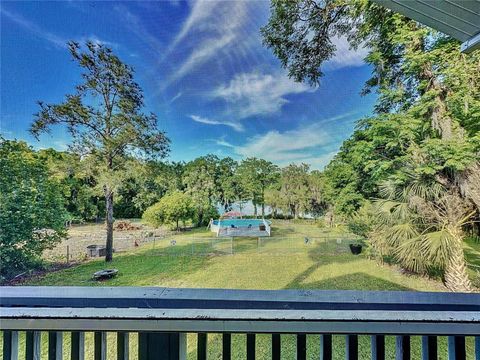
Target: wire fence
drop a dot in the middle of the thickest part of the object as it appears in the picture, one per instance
(203, 246)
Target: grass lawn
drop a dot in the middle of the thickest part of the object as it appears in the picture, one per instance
(297, 256)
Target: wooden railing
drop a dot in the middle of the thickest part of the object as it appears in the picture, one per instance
(163, 316)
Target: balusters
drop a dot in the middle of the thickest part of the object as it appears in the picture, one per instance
(202, 346)
(477, 347)
(326, 347)
(250, 346)
(55, 348)
(32, 345)
(301, 346)
(276, 346)
(456, 348)
(351, 347)
(429, 348)
(100, 340)
(10, 345)
(226, 346)
(378, 347)
(77, 345)
(402, 347)
(122, 346)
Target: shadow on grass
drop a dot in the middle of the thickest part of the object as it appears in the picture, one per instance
(354, 281)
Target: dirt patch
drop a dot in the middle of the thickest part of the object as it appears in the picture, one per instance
(80, 236)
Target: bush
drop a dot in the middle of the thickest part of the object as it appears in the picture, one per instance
(361, 222)
(171, 209)
(32, 213)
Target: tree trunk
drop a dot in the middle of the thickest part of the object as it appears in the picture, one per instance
(456, 277)
(263, 210)
(109, 223)
(177, 224)
(255, 209)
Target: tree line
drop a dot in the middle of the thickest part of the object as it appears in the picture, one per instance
(410, 174)
(43, 190)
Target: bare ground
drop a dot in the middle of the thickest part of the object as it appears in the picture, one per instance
(80, 236)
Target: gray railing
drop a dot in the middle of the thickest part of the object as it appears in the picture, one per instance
(163, 316)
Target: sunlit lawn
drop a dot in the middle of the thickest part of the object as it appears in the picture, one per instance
(285, 261)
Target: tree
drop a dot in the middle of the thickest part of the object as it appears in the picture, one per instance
(32, 214)
(294, 180)
(81, 197)
(105, 119)
(420, 223)
(318, 203)
(172, 208)
(427, 112)
(228, 184)
(256, 175)
(201, 183)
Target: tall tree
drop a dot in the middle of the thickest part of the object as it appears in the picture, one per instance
(256, 175)
(105, 119)
(294, 189)
(201, 183)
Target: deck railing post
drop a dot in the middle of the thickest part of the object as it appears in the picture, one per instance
(161, 346)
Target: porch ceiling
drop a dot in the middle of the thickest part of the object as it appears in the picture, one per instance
(457, 18)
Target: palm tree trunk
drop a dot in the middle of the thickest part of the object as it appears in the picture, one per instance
(456, 276)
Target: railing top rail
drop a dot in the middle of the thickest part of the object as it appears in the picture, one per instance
(149, 296)
(126, 308)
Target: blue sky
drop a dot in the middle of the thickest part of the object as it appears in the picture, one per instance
(203, 70)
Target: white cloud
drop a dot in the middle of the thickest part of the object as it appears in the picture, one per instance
(35, 29)
(258, 94)
(202, 120)
(311, 144)
(344, 56)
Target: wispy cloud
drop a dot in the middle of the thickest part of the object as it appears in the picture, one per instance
(254, 93)
(176, 97)
(39, 32)
(137, 26)
(235, 126)
(97, 41)
(214, 27)
(310, 144)
(52, 38)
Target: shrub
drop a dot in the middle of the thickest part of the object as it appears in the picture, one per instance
(171, 209)
(32, 213)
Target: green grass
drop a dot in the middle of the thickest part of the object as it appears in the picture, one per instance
(284, 261)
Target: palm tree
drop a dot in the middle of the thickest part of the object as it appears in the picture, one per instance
(420, 224)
